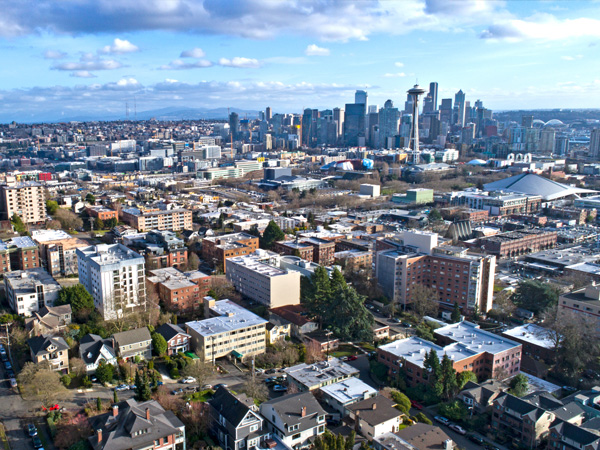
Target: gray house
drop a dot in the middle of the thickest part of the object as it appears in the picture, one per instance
(236, 422)
(132, 343)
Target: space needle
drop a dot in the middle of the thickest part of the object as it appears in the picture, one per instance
(415, 92)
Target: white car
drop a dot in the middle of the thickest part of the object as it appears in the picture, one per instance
(188, 380)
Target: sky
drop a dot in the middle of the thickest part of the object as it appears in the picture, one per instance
(65, 58)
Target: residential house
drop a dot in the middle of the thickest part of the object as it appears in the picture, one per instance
(322, 340)
(93, 350)
(235, 421)
(481, 396)
(49, 320)
(177, 339)
(297, 419)
(132, 343)
(567, 436)
(297, 316)
(277, 330)
(375, 416)
(418, 436)
(132, 425)
(53, 349)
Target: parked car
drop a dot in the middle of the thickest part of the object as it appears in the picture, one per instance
(132, 386)
(396, 320)
(122, 387)
(352, 358)
(270, 371)
(10, 373)
(280, 388)
(177, 391)
(259, 371)
(188, 380)
(7, 365)
(190, 389)
(217, 386)
(4, 357)
(206, 387)
(569, 388)
(37, 443)
(416, 405)
(31, 430)
(13, 382)
(344, 358)
(457, 428)
(442, 420)
(489, 446)
(477, 439)
(270, 380)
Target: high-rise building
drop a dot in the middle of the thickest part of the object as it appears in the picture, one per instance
(547, 138)
(595, 143)
(562, 145)
(25, 199)
(234, 124)
(114, 276)
(527, 121)
(354, 124)
(433, 95)
(459, 108)
(268, 114)
(361, 97)
(389, 122)
(446, 110)
(338, 118)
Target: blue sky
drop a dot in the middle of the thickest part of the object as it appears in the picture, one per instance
(66, 57)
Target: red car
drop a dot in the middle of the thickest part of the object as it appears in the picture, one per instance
(416, 405)
(52, 408)
(352, 358)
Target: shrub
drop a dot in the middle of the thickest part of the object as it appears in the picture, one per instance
(420, 417)
(174, 373)
(66, 380)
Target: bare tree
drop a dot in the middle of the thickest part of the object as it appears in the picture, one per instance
(77, 366)
(40, 382)
(314, 353)
(503, 305)
(200, 370)
(68, 219)
(256, 389)
(424, 300)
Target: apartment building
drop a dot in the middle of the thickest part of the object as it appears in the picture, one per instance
(584, 302)
(25, 199)
(517, 243)
(268, 285)
(161, 249)
(459, 277)
(181, 292)
(216, 249)
(20, 253)
(114, 276)
(308, 377)
(58, 251)
(323, 250)
(295, 248)
(353, 259)
(170, 220)
(29, 291)
(469, 348)
(102, 213)
(232, 331)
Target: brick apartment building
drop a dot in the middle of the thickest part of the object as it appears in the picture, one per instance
(19, 253)
(182, 292)
(216, 249)
(102, 213)
(516, 243)
(323, 250)
(296, 248)
(169, 220)
(160, 249)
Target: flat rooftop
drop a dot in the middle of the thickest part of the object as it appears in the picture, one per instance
(105, 254)
(229, 238)
(43, 236)
(349, 390)
(321, 372)
(476, 339)
(21, 242)
(415, 349)
(254, 265)
(25, 281)
(532, 333)
(230, 317)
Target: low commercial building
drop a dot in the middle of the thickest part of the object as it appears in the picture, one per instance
(371, 190)
(232, 331)
(216, 249)
(308, 377)
(169, 220)
(268, 285)
(537, 341)
(418, 196)
(58, 251)
(181, 292)
(29, 291)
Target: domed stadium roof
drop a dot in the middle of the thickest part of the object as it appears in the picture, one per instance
(538, 123)
(477, 162)
(554, 123)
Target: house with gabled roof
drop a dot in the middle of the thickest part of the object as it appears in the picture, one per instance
(94, 350)
(53, 349)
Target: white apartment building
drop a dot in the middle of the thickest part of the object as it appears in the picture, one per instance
(114, 276)
(28, 291)
(232, 331)
(26, 199)
(271, 286)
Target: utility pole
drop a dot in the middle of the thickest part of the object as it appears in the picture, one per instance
(8, 339)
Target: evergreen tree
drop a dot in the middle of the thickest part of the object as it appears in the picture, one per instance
(99, 404)
(78, 297)
(115, 397)
(18, 224)
(142, 387)
(271, 235)
(159, 344)
(448, 378)
(456, 315)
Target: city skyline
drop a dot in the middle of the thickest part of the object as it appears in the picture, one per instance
(69, 58)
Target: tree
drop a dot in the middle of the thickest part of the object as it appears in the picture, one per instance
(200, 370)
(18, 224)
(454, 410)
(424, 301)
(535, 296)
(79, 298)
(159, 344)
(256, 390)
(519, 385)
(142, 387)
(271, 235)
(115, 397)
(68, 219)
(456, 314)
(99, 404)
(51, 207)
(193, 261)
(435, 216)
(105, 372)
(464, 377)
(111, 223)
(402, 401)
(98, 224)
(425, 332)
(40, 382)
(77, 366)
(448, 378)
(422, 418)
(90, 198)
(503, 305)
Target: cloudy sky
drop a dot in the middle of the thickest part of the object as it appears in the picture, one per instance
(66, 57)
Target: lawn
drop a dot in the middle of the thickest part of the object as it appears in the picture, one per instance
(344, 350)
(202, 396)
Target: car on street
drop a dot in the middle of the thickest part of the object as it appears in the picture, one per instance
(190, 389)
(279, 388)
(460, 430)
(177, 391)
(188, 380)
(31, 430)
(270, 380)
(395, 320)
(37, 443)
(122, 387)
(352, 358)
(569, 388)
(416, 405)
(132, 386)
(7, 365)
(442, 420)
(344, 358)
(10, 373)
(270, 371)
(13, 382)
(477, 439)
(206, 387)
(259, 371)
(4, 357)
(489, 446)
(217, 386)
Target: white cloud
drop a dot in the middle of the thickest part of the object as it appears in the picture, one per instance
(54, 54)
(399, 64)
(542, 27)
(314, 50)
(120, 46)
(571, 58)
(178, 64)
(84, 64)
(240, 62)
(82, 74)
(193, 53)
(394, 75)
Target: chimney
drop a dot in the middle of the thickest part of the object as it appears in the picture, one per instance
(374, 406)
(115, 410)
(99, 435)
(303, 412)
(147, 413)
(448, 444)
